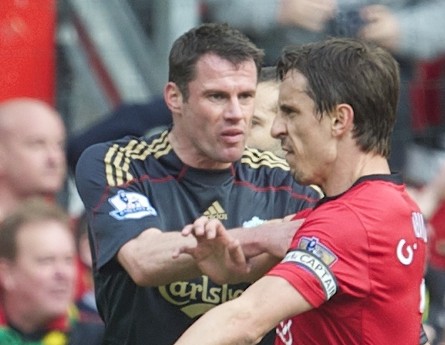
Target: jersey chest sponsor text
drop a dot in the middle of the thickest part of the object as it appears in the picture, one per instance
(196, 297)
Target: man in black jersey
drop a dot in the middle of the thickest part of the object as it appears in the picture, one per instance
(139, 193)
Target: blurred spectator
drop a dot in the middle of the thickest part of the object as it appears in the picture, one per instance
(430, 196)
(266, 107)
(32, 156)
(37, 278)
(427, 95)
(410, 29)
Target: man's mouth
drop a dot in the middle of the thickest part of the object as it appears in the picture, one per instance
(233, 136)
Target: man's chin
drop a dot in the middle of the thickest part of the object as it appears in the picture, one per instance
(230, 155)
(299, 177)
(50, 190)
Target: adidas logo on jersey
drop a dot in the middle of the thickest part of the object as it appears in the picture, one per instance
(215, 211)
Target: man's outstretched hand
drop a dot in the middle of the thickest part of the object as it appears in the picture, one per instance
(216, 253)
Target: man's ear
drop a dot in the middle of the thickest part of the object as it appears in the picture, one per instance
(173, 97)
(342, 119)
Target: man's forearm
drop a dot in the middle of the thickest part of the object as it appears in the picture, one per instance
(148, 259)
(273, 237)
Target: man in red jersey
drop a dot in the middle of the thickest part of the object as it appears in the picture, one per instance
(354, 271)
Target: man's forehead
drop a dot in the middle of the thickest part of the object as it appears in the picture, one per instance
(294, 76)
(217, 64)
(29, 134)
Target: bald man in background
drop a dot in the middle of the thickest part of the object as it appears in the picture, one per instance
(32, 155)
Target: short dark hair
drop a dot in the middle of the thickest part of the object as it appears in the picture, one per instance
(209, 38)
(32, 210)
(347, 70)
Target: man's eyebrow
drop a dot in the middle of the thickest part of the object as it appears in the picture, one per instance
(286, 108)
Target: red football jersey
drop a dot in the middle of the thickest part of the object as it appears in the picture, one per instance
(358, 259)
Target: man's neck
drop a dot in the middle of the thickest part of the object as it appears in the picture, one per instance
(345, 173)
(20, 319)
(9, 200)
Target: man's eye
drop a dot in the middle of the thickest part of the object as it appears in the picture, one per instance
(216, 96)
(286, 111)
(246, 96)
